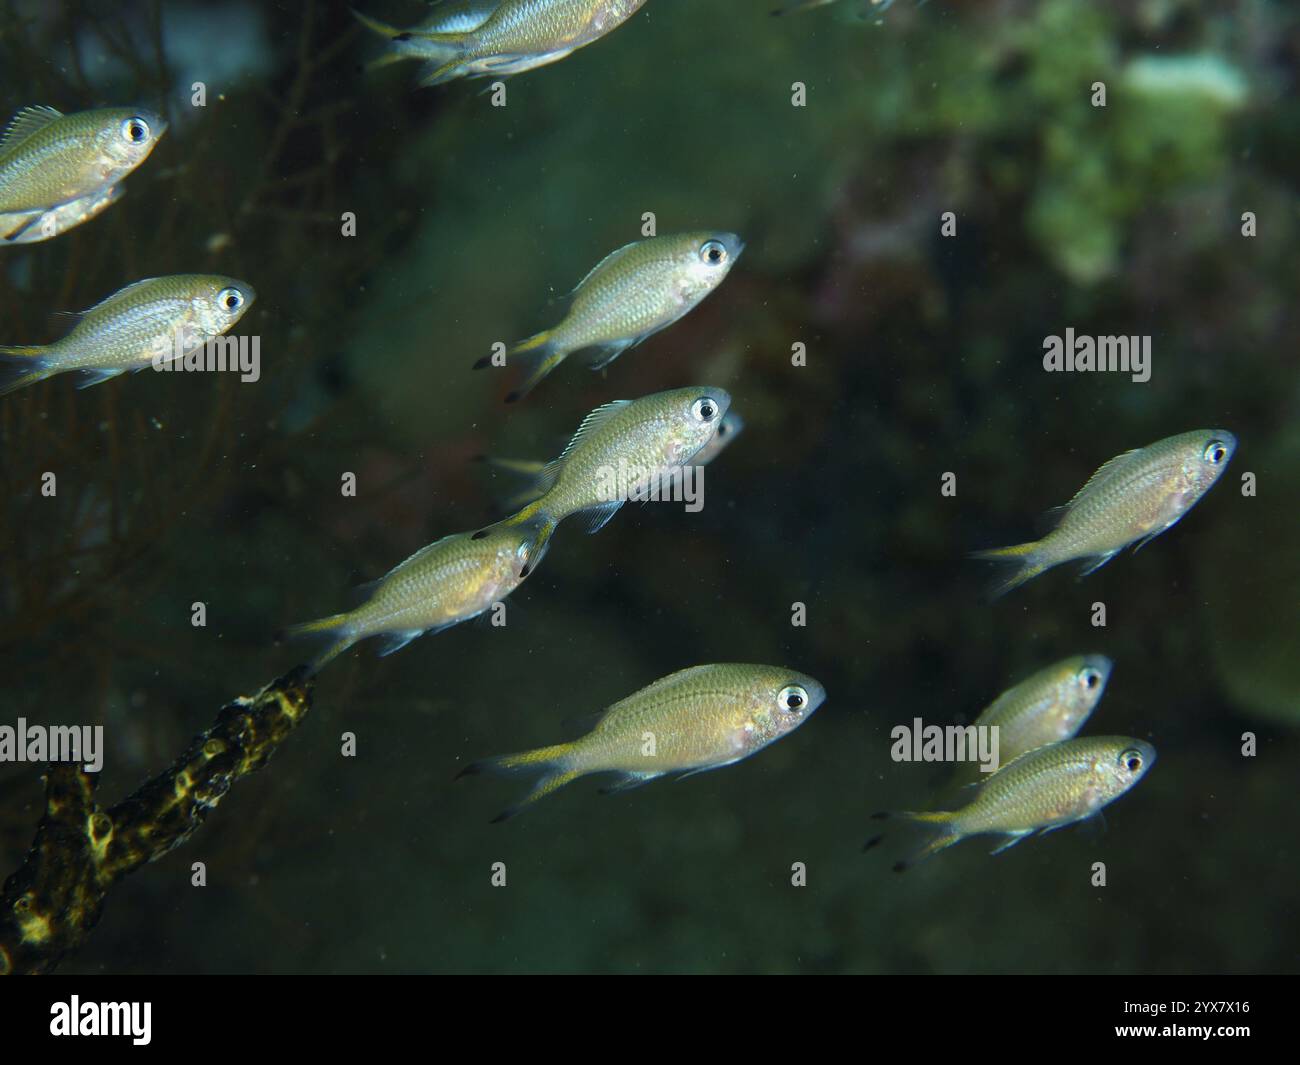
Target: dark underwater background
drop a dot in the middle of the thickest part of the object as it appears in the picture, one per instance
(924, 357)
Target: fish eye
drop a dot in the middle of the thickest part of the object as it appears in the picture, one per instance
(792, 699)
(713, 253)
(1090, 678)
(135, 130)
(230, 299)
(704, 410)
(1215, 452)
(1131, 760)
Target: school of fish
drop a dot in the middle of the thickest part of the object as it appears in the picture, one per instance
(60, 171)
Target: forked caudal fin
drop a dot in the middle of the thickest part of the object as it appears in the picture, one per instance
(22, 366)
(333, 629)
(546, 761)
(442, 52)
(538, 355)
(1025, 559)
(938, 825)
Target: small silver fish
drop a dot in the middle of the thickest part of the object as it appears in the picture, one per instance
(498, 38)
(1039, 792)
(127, 331)
(1050, 706)
(50, 161)
(534, 471)
(697, 719)
(441, 585)
(628, 296)
(1133, 498)
(633, 442)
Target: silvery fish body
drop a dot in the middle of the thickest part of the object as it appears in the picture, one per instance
(1040, 791)
(441, 585)
(631, 294)
(535, 472)
(701, 718)
(626, 445)
(161, 317)
(1050, 706)
(1132, 499)
(497, 38)
(49, 161)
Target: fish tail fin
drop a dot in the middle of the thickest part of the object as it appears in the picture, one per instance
(22, 366)
(334, 630)
(548, 761)
(536, 479)
(1025, 558)
(539, 355)
(441, 50)
(940, 829)
(374, 25)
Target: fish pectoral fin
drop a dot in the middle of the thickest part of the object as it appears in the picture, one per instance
(628, 781)
(1012, 839)
(1095, 563)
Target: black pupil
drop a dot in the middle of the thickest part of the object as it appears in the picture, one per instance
(1133, 764)
(795, 702)
(706, 412)
(714, 255)
(231, 300)
(137, 131)
(1091, 680)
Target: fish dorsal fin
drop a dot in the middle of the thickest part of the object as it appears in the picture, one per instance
(119, 294)
(590, 424)
(613, 256)
(424, 552)
(1104, 471)
(26, 122)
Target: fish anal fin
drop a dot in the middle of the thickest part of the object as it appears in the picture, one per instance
(391, 642)
(628, 781)
(1095, 562)
(90, 378)
(598, 517)
(607, 353)
(1012, 839)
